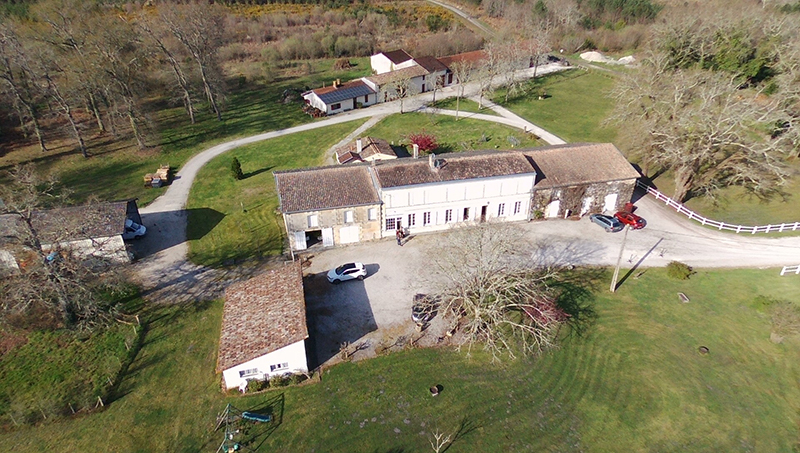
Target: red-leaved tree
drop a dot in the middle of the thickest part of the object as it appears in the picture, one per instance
(425, 141)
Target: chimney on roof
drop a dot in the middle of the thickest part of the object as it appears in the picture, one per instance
(432, 161)
(416, 150)
(337, 83)
(359, 146)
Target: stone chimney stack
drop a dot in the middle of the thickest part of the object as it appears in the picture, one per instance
(416, 150)
(432, 161)
(359, 146)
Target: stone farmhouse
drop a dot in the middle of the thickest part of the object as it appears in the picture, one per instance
(263, 327)
(421, 74)
(327, 206)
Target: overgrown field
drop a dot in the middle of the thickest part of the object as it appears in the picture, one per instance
(633, 381)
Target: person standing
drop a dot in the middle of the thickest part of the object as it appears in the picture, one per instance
(399, 236)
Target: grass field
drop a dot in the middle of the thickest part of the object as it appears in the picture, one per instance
(451, 135)
(464, 105)
(116, 168)
(737, 207)
(634, 381)
(231, 219)
(574, 109)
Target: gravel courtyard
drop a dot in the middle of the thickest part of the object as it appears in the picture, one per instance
(376, 312)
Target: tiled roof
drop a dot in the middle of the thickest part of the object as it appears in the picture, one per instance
(349, 90)
(81, 222)
(582, 163)
(314, 189)
(344, 156)
(262, 315)
(388, 77)
(369, 147)
(476, 57)
(453, 167)
(430, 64)
(397, 56)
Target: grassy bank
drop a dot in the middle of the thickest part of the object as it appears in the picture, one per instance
(634, 381)
(464, 105)
(231, 219)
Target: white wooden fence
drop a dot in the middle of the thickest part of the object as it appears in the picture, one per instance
(718, 225)
(790, 269)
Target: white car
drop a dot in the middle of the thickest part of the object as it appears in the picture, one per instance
(349, 271)
(133, 230)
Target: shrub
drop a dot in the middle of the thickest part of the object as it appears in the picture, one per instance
(236, 169)
(425, 141)
(678, 270)
(277, 381)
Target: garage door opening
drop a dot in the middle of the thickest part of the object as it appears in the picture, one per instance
(313, 238)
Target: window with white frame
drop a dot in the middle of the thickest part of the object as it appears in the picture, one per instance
(501, 209)
(313, 221)
(372, 214)
(448, 215)
(517, 207)
(412, 220)
(250, 372)
(426, 218)
(336, 106)
(278, 367)
(348, 216)
(390, 224)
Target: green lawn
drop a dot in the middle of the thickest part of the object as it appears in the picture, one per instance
(464, 105)
(116, 169)
(451, 135)
(737, 207)
(231, 219)
(634, 381)
(574, 109)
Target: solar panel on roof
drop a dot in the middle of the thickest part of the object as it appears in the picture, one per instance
(345, 93)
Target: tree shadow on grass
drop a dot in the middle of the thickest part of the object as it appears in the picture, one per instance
(576, 296)
(258, 172)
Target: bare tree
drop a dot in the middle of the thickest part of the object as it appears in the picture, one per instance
(54, 281)
(488, 72)
(17, 73)
(400, 88)
(73, 26)
(464, 71)
(155, 33)
(199, 27)
(705, 128)
(494, 294)
(124, 58)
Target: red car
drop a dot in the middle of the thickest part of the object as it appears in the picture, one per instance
(628, 218)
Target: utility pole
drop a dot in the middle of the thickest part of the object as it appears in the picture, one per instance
(619, 260)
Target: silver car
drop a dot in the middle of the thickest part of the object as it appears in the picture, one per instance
(610, 224)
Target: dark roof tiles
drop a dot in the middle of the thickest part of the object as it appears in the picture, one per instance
(452, 167)
(325, 188)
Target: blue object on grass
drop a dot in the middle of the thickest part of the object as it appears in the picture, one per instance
(252, 416)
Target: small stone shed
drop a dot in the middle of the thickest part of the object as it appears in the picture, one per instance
(577, 179)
